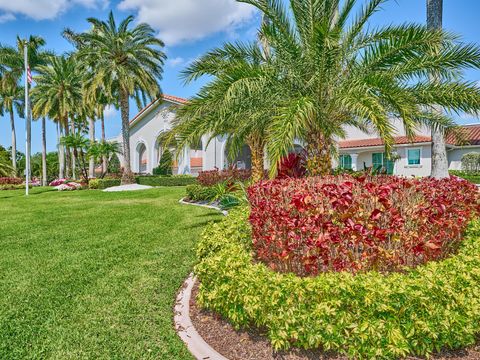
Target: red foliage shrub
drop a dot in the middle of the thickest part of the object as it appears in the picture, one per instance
(10, 181)
(341, 223)
(292, 166)
(212, 177)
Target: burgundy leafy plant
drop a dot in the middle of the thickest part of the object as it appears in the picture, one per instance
(10, 181)
(342, 223)
(292, 166)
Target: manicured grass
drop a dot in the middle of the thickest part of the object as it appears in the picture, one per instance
(89, 274)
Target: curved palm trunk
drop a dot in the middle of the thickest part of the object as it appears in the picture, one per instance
(44, 153)
(127, 176)
(14, 141)
(61, 153)
(104, 158)
(257, 147)
(439, 151)
(91, 161)
(319, 159)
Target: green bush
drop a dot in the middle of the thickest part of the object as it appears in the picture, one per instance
(173, 180)
(472, 177)
(471, 162)
(103, 183)
(201, 193)
(364, 316)
(165, 164)
(12, 186)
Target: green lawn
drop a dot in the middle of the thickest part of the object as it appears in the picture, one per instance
(93, 275)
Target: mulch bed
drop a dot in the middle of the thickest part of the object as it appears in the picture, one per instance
(252, 344)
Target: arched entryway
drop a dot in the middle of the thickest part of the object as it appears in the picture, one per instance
(243, 159)
(142, 158)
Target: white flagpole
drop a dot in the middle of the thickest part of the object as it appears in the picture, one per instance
(27, 122)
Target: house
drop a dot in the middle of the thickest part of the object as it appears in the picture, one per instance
(360, 150)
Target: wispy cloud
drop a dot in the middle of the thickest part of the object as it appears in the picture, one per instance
(6, 17)
(174, 62)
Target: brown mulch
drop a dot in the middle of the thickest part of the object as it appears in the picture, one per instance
(252, 344)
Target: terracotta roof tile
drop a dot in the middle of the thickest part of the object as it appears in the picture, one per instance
(379, 142)
(468, 135)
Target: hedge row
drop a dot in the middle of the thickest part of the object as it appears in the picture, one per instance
(363, 316)
(198, 192)
(173, 180)
(103, 183)
(12, 186)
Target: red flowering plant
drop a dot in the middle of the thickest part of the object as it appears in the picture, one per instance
(341, 223)
(10, 181)
(292, 166)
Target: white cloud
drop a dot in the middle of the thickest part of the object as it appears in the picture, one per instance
(6, 17)
(186, 20)
(45, 9)
(110, 112)
(174, 62)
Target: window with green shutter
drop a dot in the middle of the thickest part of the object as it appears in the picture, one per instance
(413, 156)
(381, 163)
(345, 162)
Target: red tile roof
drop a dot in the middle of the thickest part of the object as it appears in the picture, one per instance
(468, 135)
(164, 97)
(379, 142)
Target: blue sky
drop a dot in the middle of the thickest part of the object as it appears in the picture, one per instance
(189, 28)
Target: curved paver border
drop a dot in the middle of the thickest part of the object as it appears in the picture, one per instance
(185, 329)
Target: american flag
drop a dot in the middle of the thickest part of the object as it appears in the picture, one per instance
(29, 75)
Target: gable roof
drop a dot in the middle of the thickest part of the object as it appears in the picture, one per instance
(468, 135)
(399, 140)
(164, 97)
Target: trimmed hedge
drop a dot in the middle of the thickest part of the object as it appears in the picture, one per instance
(12, 186)
(173, 180)
(103, 183)
(364, 316)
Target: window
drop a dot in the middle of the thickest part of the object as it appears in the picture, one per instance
(345, 162)
(413, 156)
(382, 164)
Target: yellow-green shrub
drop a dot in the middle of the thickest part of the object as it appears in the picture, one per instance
(365, 316)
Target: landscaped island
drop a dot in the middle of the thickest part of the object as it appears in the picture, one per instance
(370, 267)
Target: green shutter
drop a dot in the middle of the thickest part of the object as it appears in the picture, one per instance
(346, 162)
(377, 161)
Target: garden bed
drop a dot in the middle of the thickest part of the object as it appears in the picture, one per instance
(253, 344)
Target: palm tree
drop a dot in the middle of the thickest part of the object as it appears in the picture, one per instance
(13, 67)
(99, 151)
(58, 94)
(11, 100)
(328, 70)
(6, 169)
(127, 62)
(439, 151)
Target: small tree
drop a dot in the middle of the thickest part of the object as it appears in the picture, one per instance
(165, 165)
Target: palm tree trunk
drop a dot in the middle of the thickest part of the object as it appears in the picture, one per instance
(91, 161)
(67, 152)
(104, 158)
(61, 153)
(44, 153)
(127, 176)
(74, 158)
(14, 141)
(439, 151)
(257, 147)
(319, 160)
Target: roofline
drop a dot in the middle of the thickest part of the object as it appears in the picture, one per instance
(376, 147)
(164, 97)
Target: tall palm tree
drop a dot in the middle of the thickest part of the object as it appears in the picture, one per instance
(13, 67)
(439, 151)
(128, 62)
(11, 100)
(58, 94)
(328, 69)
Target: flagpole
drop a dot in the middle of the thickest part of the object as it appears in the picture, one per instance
(27, 122)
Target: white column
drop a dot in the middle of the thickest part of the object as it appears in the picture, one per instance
(354, 161)
(184, 162)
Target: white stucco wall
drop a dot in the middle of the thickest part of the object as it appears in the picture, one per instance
(455, 156)
(355, 134)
